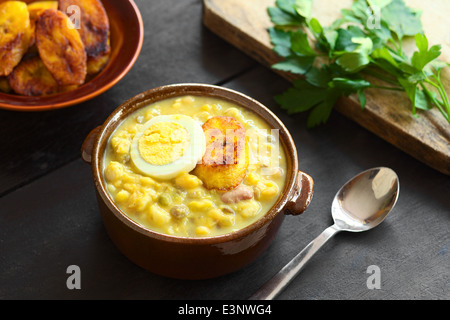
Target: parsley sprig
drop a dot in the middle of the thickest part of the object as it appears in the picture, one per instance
(357, 45)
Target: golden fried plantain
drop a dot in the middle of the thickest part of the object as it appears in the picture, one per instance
(61, 48)
(97, 64)
(94, 24)
(15, 34)
(31, 78)
(226, 158)
(4, 85)
(36, 8)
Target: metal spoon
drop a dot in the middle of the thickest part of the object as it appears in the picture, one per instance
(360, 205)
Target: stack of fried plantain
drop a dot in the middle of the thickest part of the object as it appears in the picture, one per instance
(43, 52)
(15, 34)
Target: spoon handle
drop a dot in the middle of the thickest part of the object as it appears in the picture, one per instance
(281, 280)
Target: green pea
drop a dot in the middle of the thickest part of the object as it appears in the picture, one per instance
(164, 199)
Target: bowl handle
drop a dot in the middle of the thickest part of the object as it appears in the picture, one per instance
(301, 196)
(88, 145)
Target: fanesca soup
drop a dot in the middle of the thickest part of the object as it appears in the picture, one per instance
(194, 166)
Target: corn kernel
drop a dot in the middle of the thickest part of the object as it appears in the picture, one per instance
(220, 218)
(129, 178)
(133, 200)
(201, 205)
(122, 196)
(202, 230)
(113, 171)
(235, 113)
(248, 208)
(142, 202)
(270, 184)
(111, 188)
(152, 113)
(115, 141)
(150, 192)
(206, 107)
(269, 192)
(170, 230)
(120, 145)
(146, 181)
(197, 193)
(232, 112)
(188, 181)
(188, 100)
(133, 130)
(158, 215)
(203, 116)
(130, 187)
(252, 178)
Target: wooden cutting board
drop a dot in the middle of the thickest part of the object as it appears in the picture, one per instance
(244, 24)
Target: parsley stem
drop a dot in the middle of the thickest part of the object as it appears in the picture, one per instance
(398, 47)
(444, 97)
(443, 94)
(445, 102)
(386, 88)
(379, 76)
(436, 103)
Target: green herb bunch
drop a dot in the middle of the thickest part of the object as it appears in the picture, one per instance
(367, 40)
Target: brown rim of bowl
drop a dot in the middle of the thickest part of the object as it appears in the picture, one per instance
(174, 90)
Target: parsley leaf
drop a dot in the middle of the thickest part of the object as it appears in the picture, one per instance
(301, 97)
(284, 14)
(401, 20)
(281, 41)
(295, 64)
(424, 56)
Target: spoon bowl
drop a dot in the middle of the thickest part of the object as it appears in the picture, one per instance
(360, 205)
(365, 200)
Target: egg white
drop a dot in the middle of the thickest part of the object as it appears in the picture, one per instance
(185, 163)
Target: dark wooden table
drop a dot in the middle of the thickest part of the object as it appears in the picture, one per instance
(49, 218)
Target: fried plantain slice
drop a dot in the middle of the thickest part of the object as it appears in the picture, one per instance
(31, 78)
(94, 25)
(61, 48)
(97, 64)
(4, 85)
(36, 8)
(226, 158)
(15, 34)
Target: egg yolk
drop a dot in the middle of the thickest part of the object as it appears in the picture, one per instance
(163, 143)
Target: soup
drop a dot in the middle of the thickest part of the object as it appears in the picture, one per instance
(194, 166)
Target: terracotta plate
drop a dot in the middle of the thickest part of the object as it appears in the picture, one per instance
(127, 34)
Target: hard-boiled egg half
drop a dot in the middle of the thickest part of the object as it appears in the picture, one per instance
(168, 145)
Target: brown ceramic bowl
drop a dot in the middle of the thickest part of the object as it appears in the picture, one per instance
(195, 258)
(127, 34)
